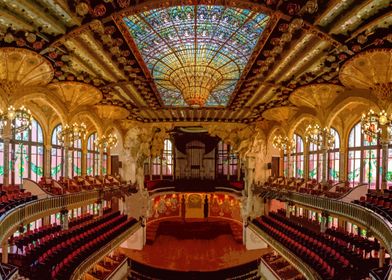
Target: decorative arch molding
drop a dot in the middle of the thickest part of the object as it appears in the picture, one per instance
(85, 112)
(297, 121)
(339, 106)
(47, 98)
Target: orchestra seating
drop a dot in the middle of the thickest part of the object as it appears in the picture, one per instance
(12, 196)
(325, 254)
(380, 203)
(141, 271)
(60, 252)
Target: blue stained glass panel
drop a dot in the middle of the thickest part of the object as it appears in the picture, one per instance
(178, 40)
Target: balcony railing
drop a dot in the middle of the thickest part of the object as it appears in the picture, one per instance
(302, 267)
(379, 226)
(37, 209)
(98, 255)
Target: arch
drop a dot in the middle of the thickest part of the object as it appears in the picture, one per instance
(45, 96)
(298, 120)
(347, 102)
(92, 117)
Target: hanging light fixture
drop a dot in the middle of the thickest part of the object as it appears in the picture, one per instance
(19, 119)
(319, 136)
(106, 141)
(72, 133)
(282, 143)
(372, 125)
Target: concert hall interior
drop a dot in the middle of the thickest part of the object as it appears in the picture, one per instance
(195, 139)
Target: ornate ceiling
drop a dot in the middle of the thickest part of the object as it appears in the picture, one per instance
(133, 57)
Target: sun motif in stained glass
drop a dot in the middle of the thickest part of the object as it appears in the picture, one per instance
(202, 49)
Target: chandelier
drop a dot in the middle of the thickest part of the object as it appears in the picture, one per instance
(318, 136)
(283, 143)
(372, 125)
(19, 119)
(71, 133)
(196, 83)
(106, 141)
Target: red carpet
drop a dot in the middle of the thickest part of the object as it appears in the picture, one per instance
(186, 246)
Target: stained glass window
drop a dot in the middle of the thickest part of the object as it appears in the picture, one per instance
(105, 163)
(92, 156)
(297, 157)
(26, 154)
(364, 159)
(183, 43)
(334, 158)
(227, 161)
(167, 158)
(75, 159)
(315, 162)
(57, 155)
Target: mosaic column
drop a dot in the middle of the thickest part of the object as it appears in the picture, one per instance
(6, 140)
(306, 161)
(47, 166)
(384, 163)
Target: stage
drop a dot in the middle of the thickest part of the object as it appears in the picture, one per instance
(195, 245)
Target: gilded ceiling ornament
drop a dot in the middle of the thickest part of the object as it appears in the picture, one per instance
(370, 70)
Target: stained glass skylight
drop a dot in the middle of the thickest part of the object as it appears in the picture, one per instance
(196, 49)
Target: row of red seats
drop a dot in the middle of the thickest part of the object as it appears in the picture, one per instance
(355, 258)
(323, 268)
(78, 183)
(340, 262)
(352, 241)
(9, 200)
(35, 235)
(51, 256)
(64, 269)
(381, 203)
(34, 250)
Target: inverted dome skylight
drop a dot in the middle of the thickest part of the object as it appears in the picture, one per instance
(196, 52)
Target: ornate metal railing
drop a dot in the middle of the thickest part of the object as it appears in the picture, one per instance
(302, 267)
(39, 208)
(378, 225)
(97, 256)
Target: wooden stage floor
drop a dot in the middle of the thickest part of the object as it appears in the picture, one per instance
(178, 247)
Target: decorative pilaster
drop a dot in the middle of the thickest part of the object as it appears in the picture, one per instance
(64, 219)
(343, 156)
(84, 161)
(384, 164)
(47, 166)
(306, 160)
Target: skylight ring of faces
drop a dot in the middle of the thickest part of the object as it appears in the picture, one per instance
(165, 38)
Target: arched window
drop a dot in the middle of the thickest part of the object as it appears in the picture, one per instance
(363, 155)
(334, 158)
(227, 163)
(75, 159)
(315, 162)
(57, 155)
(105, 162)
(92, 156)
(27, 154)
(167, 158)
(297, 157)
(164, 164)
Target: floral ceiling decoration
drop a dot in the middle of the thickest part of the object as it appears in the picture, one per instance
(196, 54)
